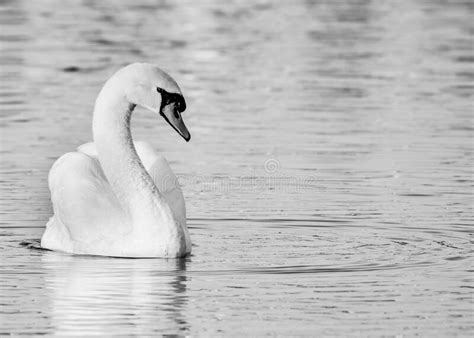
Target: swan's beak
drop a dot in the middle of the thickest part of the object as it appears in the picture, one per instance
(171, 114)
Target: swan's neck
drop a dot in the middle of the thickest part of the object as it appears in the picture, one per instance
(130, 182)
(118, 157)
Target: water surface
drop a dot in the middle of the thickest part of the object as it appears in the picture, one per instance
(329, 179)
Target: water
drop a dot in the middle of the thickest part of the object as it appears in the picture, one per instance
(329, 179)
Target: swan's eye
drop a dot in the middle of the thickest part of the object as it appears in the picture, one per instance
(180, 104)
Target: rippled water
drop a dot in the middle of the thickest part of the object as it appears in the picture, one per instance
(329, 178)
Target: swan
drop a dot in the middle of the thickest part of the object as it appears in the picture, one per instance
(115, 197)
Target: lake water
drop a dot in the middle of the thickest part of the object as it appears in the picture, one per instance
(328, 181)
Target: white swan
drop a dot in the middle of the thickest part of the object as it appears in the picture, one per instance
(115, 197)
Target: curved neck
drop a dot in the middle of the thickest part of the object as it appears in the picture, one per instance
(151, 220)
(123, 168)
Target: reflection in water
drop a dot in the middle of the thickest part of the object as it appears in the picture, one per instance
(94, 295)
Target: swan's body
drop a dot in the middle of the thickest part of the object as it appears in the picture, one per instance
(115, 197)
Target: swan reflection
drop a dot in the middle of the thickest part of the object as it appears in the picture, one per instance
(97, 295)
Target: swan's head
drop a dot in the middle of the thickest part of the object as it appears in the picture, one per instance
(150, 87)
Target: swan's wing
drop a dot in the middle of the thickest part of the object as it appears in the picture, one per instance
(164, 178)
(166, 182)
(86, 210)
